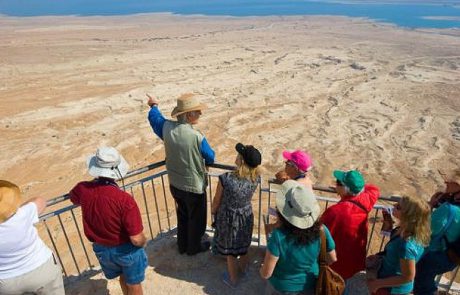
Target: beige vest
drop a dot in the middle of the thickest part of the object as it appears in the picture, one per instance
(184, 162)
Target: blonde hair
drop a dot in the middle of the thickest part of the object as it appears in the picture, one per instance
(244, 171)
(415, 219)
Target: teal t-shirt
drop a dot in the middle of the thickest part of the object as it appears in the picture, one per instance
(397, 249)
(297, 267)
(439, 219)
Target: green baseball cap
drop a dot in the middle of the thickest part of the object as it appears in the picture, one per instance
(352, 179)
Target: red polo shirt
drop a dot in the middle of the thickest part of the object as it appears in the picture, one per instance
(110, 215)
(348, 226)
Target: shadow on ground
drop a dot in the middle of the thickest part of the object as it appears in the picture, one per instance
(199, 274)
(90, 282)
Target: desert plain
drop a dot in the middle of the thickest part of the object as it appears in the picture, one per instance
(353, 93)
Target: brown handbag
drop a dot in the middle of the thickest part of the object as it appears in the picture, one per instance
(329, 282)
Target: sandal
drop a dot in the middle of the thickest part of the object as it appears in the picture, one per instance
(227, 281)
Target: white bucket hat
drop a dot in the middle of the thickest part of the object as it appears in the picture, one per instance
(107, 162)
(297, 204)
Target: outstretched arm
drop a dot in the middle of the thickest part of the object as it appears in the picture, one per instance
(156, 119)
(39, 202)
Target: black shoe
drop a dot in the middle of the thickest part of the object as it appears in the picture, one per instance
(203, 248)
(181, 251)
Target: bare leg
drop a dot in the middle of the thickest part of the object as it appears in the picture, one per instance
(232, 267)
(124, 287)
(244, 262)
(135, 289)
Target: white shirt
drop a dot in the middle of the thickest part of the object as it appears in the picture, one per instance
(21, 249)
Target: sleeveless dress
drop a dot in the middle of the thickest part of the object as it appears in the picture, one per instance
(234, 218)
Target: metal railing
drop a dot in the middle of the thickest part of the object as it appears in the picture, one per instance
(149, 186)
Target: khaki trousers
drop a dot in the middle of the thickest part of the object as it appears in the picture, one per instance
(44, 280)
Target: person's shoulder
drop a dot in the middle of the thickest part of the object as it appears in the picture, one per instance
(371, 188)
(26, 209)
(83, 185)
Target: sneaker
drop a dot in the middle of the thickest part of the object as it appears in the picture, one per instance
(227, 281)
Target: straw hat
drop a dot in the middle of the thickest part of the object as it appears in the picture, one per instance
(107, 162)
(10, 199)
(297, 204)
(186, 103)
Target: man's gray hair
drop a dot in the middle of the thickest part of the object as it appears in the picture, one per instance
(349, 192)
(182, 118)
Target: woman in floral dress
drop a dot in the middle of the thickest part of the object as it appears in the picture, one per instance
(232, 208)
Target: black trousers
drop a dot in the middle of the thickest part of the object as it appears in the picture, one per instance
(191, 219)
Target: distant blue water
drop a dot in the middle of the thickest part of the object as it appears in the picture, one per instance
(407, 15)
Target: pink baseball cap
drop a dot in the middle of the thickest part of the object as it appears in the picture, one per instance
(301, 159)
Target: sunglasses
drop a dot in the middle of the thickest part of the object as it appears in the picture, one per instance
(289, 163)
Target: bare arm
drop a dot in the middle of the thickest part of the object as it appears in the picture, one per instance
(331, 257)
(40, 202)
(217, 198)
(267, 268)
(407, 275)
(138, 240)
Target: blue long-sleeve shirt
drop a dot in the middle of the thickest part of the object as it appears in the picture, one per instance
(157, 121)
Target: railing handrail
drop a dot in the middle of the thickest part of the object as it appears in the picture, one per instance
(317, 187)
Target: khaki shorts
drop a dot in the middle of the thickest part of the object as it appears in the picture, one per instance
(44, 280)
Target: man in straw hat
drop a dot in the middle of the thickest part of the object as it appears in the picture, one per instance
(27, 265)
(187, 153)
(445, 229)
(112, 220)
(347, 220)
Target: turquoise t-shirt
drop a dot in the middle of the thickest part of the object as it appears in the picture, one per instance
(397, 249)
(297, 267)
(439, 219)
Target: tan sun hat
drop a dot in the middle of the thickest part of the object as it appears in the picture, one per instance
(297, 204)
(10, 199)
(455, 176)
(186, 103)
(451, 176)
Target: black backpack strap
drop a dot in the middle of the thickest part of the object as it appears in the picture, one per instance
(358, 205)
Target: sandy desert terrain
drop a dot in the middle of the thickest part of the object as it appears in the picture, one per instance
(355, 94)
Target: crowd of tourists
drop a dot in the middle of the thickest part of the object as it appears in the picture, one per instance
(423, 242)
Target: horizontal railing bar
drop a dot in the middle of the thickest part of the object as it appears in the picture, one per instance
(330, 189)
(127, 186)
(57, 212)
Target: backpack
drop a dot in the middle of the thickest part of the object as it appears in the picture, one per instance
(329, 282)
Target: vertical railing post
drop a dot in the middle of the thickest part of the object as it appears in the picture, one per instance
(166, 203)
(68, 244)
(55, 248)
(147, 209)
(81, 239)
(259, 215)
